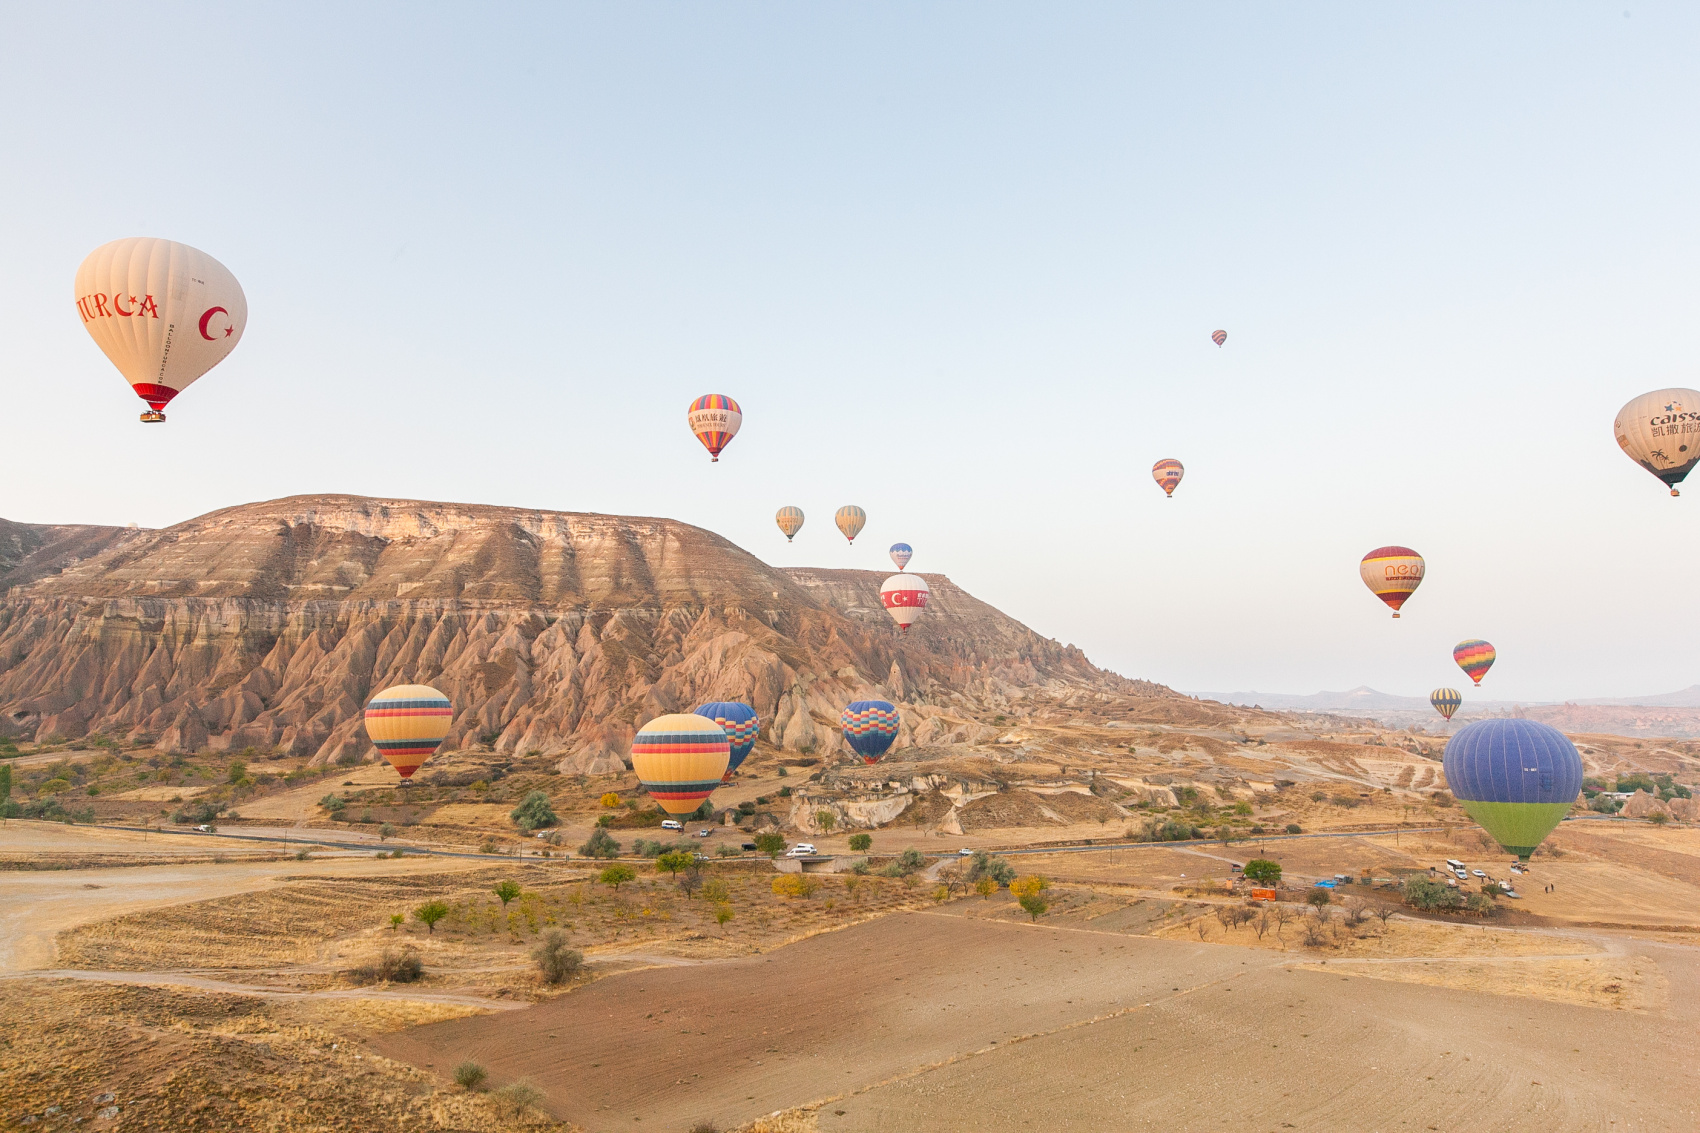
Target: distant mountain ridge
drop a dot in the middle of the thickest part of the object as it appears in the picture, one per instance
(1366, 699)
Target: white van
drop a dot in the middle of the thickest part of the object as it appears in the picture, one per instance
(672, 824)
(801, 850)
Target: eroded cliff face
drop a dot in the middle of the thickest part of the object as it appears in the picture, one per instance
(269, 625)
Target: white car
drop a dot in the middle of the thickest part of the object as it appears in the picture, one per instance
(704, 833)
(1478, 873)
(965, 852)
(801, 850)
(672, 824)
(203, 829)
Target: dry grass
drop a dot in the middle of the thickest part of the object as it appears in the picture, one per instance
(1605, 981)
(785, 1121)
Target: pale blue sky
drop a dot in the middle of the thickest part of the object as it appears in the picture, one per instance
(959, 263)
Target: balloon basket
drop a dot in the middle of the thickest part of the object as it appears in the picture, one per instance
(1395, 614)
(154, 417)
(1674, 492)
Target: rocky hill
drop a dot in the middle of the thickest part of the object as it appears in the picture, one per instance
(268, 625)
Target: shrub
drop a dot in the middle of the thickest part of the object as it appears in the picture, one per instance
(610, 799)
(984, 865)
(53, 787)
(795, 885)
(395, 921)
(470, 1075)
(332, 803)
(909, 861)
(1294, 828)
(770, 844)
(506, 890)
(826, 820)
(515, 1098)
(1263, 871)
(717, 890)
(985, 887)
(861, 843)
(1427, 893)
(601, 845)
(722, 913)
(392, 967)
(1319, 897)
(617, 875)
(1658, 818)
(1033, 905)
(1242, 807)
(556, 962)
(430, 913)
(1033, 883)
(386, 832)
(534, 812)
(237, 772)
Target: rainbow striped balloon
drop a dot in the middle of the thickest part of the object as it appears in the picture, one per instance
(869, 728)
(715, 419)
(1392, 573)
(1475, 657)
(742, 726)
(679, 759)
(406, 723)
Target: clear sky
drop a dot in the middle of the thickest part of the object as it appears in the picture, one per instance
(959, 263)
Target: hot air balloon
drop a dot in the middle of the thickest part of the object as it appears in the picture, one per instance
(1218, 336)
(1660, 431)
(869, 727)
(1516, 778)
(1445, 701)
(740, 723)
(1475, 657)
(715, 419)
(1393, 573)
(406, 723)
(901, 553)
(1168, 475)
(680, 758)
(850, 520)
(790, 520)
(163, 312)
(905, 596)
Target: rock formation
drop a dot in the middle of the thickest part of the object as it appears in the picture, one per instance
(268, 625)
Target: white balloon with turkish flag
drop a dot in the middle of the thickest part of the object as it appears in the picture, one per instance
(905, 596)
(163, 312)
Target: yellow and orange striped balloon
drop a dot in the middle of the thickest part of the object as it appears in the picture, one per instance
(406, 723)
(680, 758)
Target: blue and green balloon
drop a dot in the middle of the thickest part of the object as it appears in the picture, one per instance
(1516, 778)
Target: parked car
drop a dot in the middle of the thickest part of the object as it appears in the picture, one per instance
(965, 852)
(704, 832)
(747, 845)
(801, 850)
(672, 824)
(1478, 873)
(203, 829)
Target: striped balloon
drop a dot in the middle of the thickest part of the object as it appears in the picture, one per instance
(850, 519)
(406, 723)
(901, 553)
(1168, 475)
(1392, 573)
(1445, 701)
(1218, 336)
(1475, 657)
(715, 419)
(904, 597)
(680, 759)
(741, 725)
(869, 727)
(790, 520)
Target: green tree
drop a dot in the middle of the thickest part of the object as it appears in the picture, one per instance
(909, 861)
(861, 843)
(534, 812)
(826, 820)
(722, 914)
(674, 861)
(430, 913)
(507, 891)
(986, 886)
(332, 803)
(601, 845)
(617, 875)
(770, 844)
(1319, 897)
(1426, 893)
(5, 781)
(1294, 828)
(1034, 905)
(983, 864)
(386, 832)
(1263, 871)
(238, 771)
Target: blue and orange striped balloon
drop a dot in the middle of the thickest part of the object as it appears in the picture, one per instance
(680, 758)
(870, 726)
(406, 723)
(715, 419)
(741, 725)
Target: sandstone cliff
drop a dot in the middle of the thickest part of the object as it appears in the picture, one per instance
(268, 625)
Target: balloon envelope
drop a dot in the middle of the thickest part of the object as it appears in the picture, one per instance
(406, 724)
(715, 419)
(904, 596)
(680, 758)
(869, 727)
(1660, 431)
(1516, 778)
(901, 553)
(1445, 701)
(1218, 336)
(790, 520)
(1168, 475)
(741, 725)
(850, 520)
(1392, 574)
(164, 313)
(1475, 657)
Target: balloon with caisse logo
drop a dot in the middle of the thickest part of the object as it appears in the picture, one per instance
(1660, 431)
(1475, 657)
(870, 726)
(901, 553)
(790, 520)
(1392, 574)
(905, 597)
(1516, 778)
(850, 519)
(741, 725)
(1445, 701)
(406, 724)
(715, 419)
(680, 758)
(1218, 336)
(163, 313)
(1168, 475)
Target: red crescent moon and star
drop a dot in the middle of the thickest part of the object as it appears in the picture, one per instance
(211, 311)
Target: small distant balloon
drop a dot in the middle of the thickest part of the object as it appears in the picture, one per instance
(1392, 574)
(1218, 336)
(715, 419)
(905, 596)
(1660, 431)
(680, 758)
(1475, 657)
(851, 519)
(870, 726)
(741, 725)
(901, 554)
(1168, 475)
(790, 520)
(406, 724)
(1445, 701)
